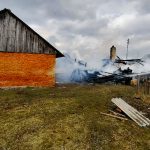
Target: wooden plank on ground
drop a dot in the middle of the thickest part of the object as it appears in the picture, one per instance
(131, 112)
(114, 116)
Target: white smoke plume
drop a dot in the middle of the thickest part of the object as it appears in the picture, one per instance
(140, 68)
(66, 65)
(73, 64)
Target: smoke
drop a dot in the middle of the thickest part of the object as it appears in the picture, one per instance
(72, 67)
(68, 65)
(144, 67)
(108, 66)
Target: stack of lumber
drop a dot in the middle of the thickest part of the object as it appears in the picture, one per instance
(131, 112)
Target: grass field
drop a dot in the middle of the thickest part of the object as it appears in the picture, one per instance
(68, 117)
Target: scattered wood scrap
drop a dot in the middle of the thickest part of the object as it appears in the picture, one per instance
(131, 112)
(114, 116)
(117, 114)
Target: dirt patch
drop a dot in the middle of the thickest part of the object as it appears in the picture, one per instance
(140, 105)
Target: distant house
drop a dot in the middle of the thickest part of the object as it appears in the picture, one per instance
(26, 59)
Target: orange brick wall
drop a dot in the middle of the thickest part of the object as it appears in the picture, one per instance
(22, 69)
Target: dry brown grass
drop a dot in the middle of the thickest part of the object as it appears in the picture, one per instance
(68, 117)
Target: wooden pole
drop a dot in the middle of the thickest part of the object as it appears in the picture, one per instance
(148, 86)
(138, 86)
(114, 116)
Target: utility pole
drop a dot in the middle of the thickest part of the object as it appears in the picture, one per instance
(127, 48)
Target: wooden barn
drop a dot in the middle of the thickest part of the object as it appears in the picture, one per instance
(26, 59)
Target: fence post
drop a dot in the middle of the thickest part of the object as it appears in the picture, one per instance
(138, 86)
(148, 86)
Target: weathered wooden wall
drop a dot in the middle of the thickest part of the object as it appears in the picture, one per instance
(15, 36)
(21, 69)
(143, 84)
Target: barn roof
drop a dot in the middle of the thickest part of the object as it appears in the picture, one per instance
(58, 54)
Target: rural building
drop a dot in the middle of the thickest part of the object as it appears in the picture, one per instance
(26, 59)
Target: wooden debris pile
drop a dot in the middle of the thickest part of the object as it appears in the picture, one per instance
(124, 111)
(131, 112)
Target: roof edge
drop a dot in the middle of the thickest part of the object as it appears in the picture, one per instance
(58, 53)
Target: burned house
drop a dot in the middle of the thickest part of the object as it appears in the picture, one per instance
(109, 72)
(26, 59)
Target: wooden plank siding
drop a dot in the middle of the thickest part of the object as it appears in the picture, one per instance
(16, 36)
(26, 58)
(22, 69)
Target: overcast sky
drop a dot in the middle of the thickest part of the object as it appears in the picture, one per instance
(89, 27)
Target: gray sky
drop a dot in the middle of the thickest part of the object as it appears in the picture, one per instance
(89, 27)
